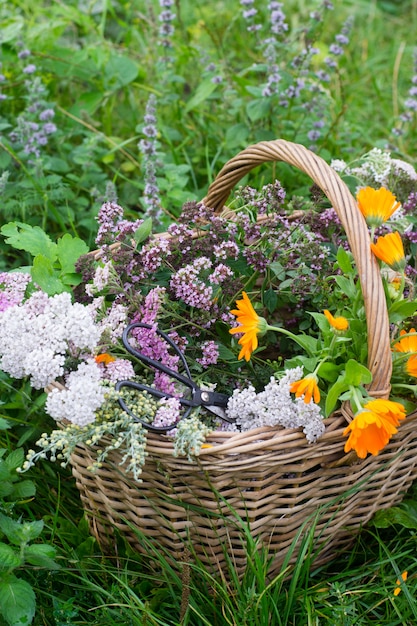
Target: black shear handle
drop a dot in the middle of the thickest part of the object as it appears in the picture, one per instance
(186, 380)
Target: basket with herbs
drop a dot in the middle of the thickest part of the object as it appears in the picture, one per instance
(249, 369)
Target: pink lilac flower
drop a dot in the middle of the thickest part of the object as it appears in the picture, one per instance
(13, 286)
(168, 413)
(120, 369)
(210, 353)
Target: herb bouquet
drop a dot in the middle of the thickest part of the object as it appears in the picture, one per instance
(311, 345)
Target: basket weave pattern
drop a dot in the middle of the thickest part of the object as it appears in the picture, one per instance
(268, 477)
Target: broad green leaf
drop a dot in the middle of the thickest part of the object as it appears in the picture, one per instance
(119, 71)
(41, 555)
(328, 371)
(69, 250)
(6, 488)
(399, 311)
(20, 532)
(204, 91)
(309, 344)
(344, 261)
(225, 354)
(270, 300)
(17, 601)
(44, 275)
(30, 238)
(346, 286)
(15, 459)
(9, 558)
(24, 489)
(72, 280)
(277, 269)
(4, 424)
(144, 230)
(334, 394)
(357, 374)
(395, 515)
(258, 109)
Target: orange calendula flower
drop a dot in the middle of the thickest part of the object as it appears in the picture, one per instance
(308, 387)
(373, 427)
(250, 325)
(338, 323)
(404, 577)
(104, 358)
(408, 343)
(390, 250)
(376, 205)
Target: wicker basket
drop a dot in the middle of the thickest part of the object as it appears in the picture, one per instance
(268, 478)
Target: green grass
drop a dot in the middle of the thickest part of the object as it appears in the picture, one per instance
(99, 62)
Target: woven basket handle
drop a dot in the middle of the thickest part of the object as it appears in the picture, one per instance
(379, 352)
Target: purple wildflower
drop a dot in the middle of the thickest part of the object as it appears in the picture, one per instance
(210, 353)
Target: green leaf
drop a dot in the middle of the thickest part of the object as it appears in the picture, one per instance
(30, 238)
(41, 555)
(277, 269)
(19, 533)
(6, 488)
(357, 374)
(309, 344)
(44, 275)
(225, 354)
(401, 310)
(334, 394)
(144, 230)
(69, 250)
(17, 601)
(328, 371)
(343, 259)
(15, 459)
(258, 109)
(4, 424)
(9, 558)
(270, 300)
(395, 515)
(119, 71)
(204, 91)
(346, 286)
(24, 489)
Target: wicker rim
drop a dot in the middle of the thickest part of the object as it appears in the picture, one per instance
(337, 192)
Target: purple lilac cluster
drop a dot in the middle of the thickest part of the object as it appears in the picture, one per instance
(410, 103)
(249, 14)
(147, 147)
(188, 284)
(336, 49)
(35, 124)
(112, 226)
(210, 353)
(278, 28)
(166, 17)
(2, 80)
(13, 286)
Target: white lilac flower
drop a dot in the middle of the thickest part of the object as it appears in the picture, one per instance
(37, 336)
(274, 406)
(83, 394)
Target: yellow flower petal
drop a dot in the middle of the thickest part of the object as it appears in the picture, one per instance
(390, 250)
(404, 577)
(338, 323)
(408, 343)
(308, 387)
(376, 205)
(373, 427)
(250, 325)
